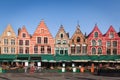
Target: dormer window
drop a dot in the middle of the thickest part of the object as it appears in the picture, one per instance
(78, 39)
(111, 35)
(96, 34)
(24, 35)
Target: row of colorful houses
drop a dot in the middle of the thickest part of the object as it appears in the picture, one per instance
(42, 41)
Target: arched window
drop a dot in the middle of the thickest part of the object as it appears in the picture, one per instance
(93, 42)
(99, 51)
(96, 34)
(78, 39)
(99, 42)
(93, 51)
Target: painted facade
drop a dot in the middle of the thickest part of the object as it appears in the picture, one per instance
(8, 41)
(61, 42)
(78, 44)
(95, 42)
(42, 41)
(111, 42)
(23, 41)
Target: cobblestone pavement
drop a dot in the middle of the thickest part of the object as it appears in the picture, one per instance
(54, 76)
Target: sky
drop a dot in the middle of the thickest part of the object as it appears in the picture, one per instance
(68, 13)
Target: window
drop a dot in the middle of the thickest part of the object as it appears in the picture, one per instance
(93, 42)
(57, 50)
(114, 43)
(73, 49)
(64, 41)
(45, 40)
(93, 51)
(38, 40)
(24, 35)
(12, 42)
(111, 35)
(66, 50)
(42, 49)
(35, 49)
(20, 42)
(48, 49)
(78, 49)
(84, 49)
(61, 35)
(62, 51)
(108, 44)
(78, 39)
(12, 50)
(99, 43)
(58, 42)
(5, 49)
(21, 50)
(96, 34)
(26, 42)
(108, 51)
(42, 30)
(114, 51)
(27, 50)
(99, 51)
(6, 41)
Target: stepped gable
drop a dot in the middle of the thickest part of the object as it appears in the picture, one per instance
(22, 31)
(62, 30)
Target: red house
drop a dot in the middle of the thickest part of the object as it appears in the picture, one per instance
(111, 42)
(42, 41)
(23, 41)
(95, 42)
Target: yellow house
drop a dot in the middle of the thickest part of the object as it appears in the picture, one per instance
(8, 41)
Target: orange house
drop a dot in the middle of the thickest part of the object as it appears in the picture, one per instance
(42, 41)
(23, 41)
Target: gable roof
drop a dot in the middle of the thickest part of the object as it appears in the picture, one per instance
(77, 31)
(42, 25)
(94, 30)
(8, 28)
(23, 29)
(62, 29)
(111, 29)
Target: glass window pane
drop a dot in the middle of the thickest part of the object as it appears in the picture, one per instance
(114, 43)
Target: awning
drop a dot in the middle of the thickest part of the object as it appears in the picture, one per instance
(80, 58)
(35, 57)
(62, 58)
(47, 57)
(23, 57)
(7, 57)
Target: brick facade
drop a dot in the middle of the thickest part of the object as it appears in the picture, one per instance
(42, 41)
(78, 45)
(23, 41)
(95, 42)
(61, 42)
(8, 41)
